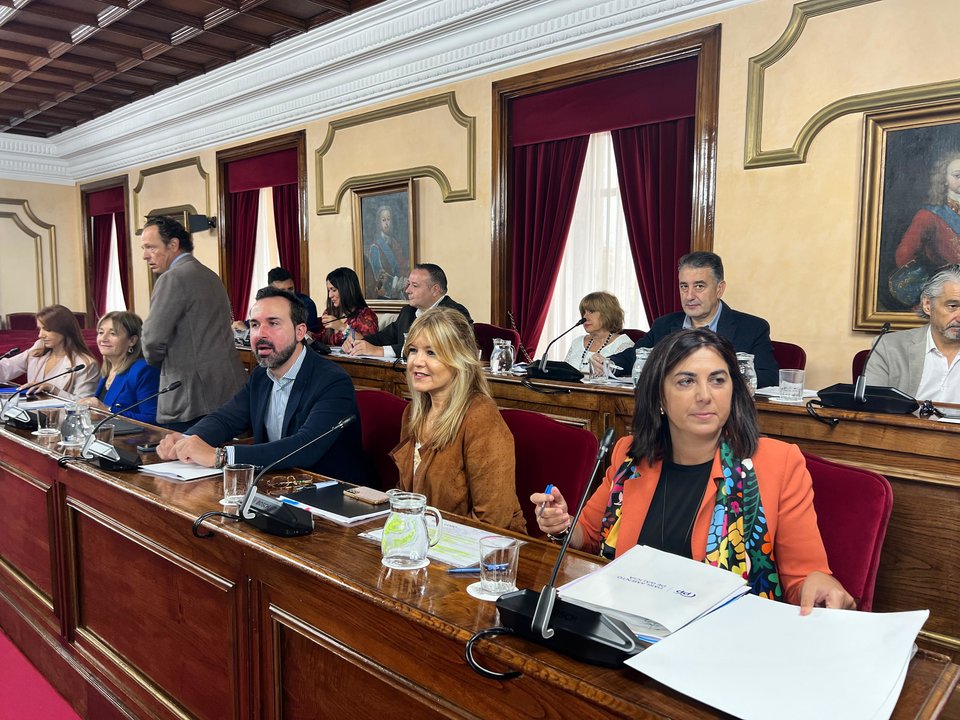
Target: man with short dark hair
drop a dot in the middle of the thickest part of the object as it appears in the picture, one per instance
(294, 396)
(426, 288)
(282, 279)
(187, 332)
(922, 362)
(702, 285)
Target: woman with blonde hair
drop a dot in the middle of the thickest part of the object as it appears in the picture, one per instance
(126, 378)
(454, 446)
(59, 347)
(603, 321)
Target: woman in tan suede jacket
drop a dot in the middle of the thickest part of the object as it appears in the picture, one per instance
(454, 446)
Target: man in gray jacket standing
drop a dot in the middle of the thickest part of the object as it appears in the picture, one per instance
(187, 333)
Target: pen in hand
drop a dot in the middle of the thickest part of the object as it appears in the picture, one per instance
(548, 492)
(476, 569)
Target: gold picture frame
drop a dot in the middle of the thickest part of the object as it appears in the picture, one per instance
(385, 241)
(907, 228)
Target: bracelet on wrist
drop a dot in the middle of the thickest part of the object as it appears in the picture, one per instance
(559, 537)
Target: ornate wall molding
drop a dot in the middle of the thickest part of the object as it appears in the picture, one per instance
(755, 156)
(43, 236)
(159, 170)
(469, 151)
(385, 52)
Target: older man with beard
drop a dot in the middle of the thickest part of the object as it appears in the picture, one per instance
(922, 362)
(293, 397)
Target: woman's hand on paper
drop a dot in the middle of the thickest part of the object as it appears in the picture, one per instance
(822, 590)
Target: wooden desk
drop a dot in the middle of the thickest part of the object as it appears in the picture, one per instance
(920, 457)
(106, 590)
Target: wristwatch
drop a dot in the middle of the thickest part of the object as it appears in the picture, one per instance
(221, 457)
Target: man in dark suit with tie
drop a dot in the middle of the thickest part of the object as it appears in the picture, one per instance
(701, 287)
(426, 288)
(294, 396)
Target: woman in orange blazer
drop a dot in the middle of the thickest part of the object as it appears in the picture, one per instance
(695, 478)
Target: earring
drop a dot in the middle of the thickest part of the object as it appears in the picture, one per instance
(661, 410)
(130, 352)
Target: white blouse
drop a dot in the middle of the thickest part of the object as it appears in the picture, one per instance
(579, 357)
(82, 383)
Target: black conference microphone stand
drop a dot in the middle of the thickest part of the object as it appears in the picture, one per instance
(546, 619)
(109, 456)
(10, 353)
(17, 414)
(856, 397)
(267, 513)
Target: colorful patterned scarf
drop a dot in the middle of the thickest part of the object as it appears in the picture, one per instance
(748, 554)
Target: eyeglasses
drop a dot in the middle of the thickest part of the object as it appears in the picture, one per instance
(927, 408)
(286, 482)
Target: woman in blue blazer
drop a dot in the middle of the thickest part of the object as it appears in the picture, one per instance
(125, 376)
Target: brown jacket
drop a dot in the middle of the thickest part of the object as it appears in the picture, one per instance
(474, 475)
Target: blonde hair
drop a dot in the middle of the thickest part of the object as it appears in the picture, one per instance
(450, 335)
(132, 325)
(611, 314)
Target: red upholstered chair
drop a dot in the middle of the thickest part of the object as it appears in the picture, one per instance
(486, 333)
(633, 333)
(789, 355)
(380, 416)
(21, 321)
(549, 453)
(856, 367)
(853, 508)
(81, 319)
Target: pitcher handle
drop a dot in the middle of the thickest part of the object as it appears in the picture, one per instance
(439, 528)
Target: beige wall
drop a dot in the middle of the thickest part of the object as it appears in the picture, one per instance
(788, 234)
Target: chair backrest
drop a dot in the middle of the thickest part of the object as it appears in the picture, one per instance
(380, 416)
(549, 453)
(633, 333)
(486, 333)
(789, 355)
(853, 508)
(81, 319)
(856, 367)
(22, 321)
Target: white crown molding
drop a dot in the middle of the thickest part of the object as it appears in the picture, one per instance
(388, 51)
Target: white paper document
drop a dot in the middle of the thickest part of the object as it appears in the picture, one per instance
(51, 402)
(181, 471)
(654, 592)
(832, 663)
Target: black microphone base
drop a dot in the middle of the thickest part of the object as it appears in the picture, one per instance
(555, 370)
(285, 521)
(876, 399)
(37, 420)
(127, 461)
(578, 632)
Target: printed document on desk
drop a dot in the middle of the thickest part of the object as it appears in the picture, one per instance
(830, 664)
(176, 470)
(459, 544)
(654, 592)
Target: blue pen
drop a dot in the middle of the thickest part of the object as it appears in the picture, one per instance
(500, 567)
(548, 491)
(302, 506)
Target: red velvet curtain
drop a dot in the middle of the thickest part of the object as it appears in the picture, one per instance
(655, 171)
(244, 208)
(123, 257)
(286, 213)
(101, 261)
(545, 180)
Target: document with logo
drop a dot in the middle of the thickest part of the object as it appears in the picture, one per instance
(655, 593)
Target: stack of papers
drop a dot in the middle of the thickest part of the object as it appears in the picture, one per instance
(654, 592)
(181, 471)
(459, 544)
(832, 663)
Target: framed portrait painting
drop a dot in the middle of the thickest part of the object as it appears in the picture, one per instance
(385, 241)
(909, 210)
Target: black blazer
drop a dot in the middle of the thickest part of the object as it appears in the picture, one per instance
(393, 333)
(748, 333)
(321, 396)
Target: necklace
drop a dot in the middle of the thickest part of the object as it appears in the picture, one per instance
(583, 358)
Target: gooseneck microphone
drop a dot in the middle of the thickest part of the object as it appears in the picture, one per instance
(267, 513)
(544, 618)
(10, 353)
(110, 457)
(11, 410)
(860, 389)
(543, 359)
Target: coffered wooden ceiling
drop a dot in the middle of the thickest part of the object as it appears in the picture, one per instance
(64, 62)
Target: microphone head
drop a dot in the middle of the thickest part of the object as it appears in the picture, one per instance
(172, 386)
(346, 421)
(580, 322)
(11, 352)
(78, 368)
(885, 328)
